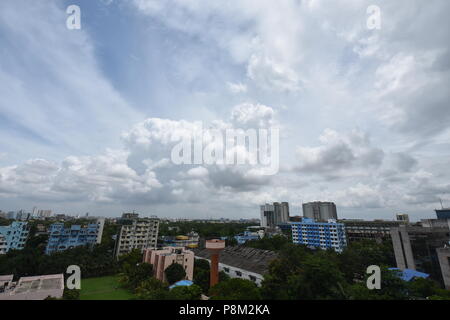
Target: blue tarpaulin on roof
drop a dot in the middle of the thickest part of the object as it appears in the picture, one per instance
(409, 274)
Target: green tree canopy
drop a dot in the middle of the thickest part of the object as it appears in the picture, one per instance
(235, 289)
(175, 272)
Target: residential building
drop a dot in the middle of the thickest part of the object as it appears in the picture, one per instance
(32, 288)
(274, 214)
(324, 235)
(443, 213)
(320, 211)
(136, 233)
(248, 235)
(242, 262)
(191, 240)
(415, 248)
(444, 262)
(62, 238)
(377, 230)
(15, 235)
(161, 259)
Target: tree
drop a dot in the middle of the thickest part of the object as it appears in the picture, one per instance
(192, 292)
(134, 275)
(274, 243)
(235, 289)
(392, 288)
(152, 289)
(175, 272)
(357, 256)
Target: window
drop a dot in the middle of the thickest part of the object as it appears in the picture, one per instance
(239, 274)
(253, 278)
(227, 270)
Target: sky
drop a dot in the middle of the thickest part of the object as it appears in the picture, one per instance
(89, 117)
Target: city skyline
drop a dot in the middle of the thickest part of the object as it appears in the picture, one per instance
(88, 117)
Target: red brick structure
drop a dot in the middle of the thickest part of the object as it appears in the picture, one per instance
(215, 247)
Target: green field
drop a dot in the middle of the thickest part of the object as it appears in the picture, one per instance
(104, 288)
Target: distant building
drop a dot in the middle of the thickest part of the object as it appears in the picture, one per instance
(435, 223)
(62, 238)
(324, 235)
(274, 214)
(32, 288)
(161, 259)
(377, 230)
(14, 236)
(403, 217)
(320, 211)
(242, 262)
(191, 240)
(247, 235)
(415, 248)
(45, 213)
(443, 213)
(136, 233)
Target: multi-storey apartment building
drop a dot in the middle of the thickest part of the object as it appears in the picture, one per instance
(15, 235)
(62, 238)
(136, 233)
(320, 211)
(324, 235)
(163, 258)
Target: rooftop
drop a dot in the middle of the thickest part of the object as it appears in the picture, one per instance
(250, 259)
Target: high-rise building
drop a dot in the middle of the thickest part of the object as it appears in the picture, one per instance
(273, 215)
(45, 213)
(15, 235)
(62, 238)
(324, 235)
(136, 233)
(163, 258)
(415, 248)
(320, 211)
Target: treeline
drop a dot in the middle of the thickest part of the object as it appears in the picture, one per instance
(301, 273)
(204, 229)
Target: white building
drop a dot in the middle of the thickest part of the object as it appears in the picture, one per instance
(137, 233)
(32, 288)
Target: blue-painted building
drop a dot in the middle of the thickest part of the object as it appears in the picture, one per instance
(61, 238)
(324, 235)
(14, 236)
(246, 236)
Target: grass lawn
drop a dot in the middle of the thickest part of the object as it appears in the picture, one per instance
(104, 288)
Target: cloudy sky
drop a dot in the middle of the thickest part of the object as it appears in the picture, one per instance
(88, 118)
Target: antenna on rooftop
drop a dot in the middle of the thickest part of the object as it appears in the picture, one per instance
(442, 207)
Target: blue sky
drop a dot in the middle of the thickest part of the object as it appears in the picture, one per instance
(86, 115)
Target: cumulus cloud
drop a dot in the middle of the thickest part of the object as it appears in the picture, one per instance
(339, 153)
